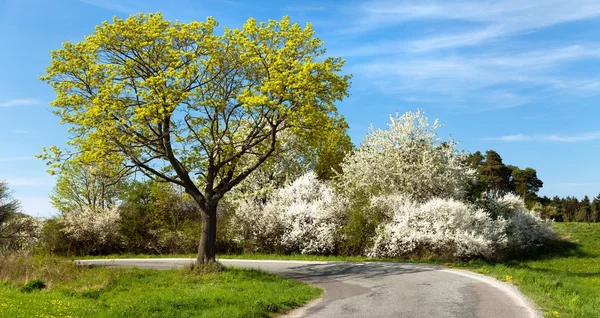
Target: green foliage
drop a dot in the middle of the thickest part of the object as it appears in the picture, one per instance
(8, 205)
(33, 285)
(81, 185)
(360, 225)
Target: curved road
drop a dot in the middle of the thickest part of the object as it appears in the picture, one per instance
(381, 289)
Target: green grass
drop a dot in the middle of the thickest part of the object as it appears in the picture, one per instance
(563, 279)
(116, 292)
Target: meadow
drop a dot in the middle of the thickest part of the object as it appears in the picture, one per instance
(50, 287)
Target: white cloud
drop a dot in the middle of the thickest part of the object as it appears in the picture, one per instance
(491, 81)
(588, 136)
(490, 19)
(19, 102)
(21, 158)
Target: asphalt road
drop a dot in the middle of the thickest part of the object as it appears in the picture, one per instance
(381, 289)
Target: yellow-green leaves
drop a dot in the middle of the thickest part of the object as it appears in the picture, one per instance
(161, 93)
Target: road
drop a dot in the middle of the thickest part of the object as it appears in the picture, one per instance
(381, 289)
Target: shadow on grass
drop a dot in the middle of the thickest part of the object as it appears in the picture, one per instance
(557, 248)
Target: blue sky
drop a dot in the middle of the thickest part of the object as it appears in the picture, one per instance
(519, 77)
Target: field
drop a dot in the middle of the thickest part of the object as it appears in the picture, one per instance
(113, 292)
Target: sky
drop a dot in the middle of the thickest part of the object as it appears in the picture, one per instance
(519, 77)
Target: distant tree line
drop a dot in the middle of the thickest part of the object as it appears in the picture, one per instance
(496, 179)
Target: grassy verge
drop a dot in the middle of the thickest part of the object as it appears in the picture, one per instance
(563, 280)
(114, 292)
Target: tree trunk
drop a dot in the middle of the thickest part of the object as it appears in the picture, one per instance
(208, 240)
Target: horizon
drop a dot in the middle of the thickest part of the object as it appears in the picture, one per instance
(520, 79)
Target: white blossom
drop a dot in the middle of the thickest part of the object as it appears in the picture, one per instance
(21, 233)
(407, 158)
(442, 226)
(301, 217)
(92, 226)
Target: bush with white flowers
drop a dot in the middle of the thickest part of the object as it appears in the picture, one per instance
(409, 159)
(442, 227)
(20, 233)
(301, 217)
(95, 228)
(454, 229)
(525, 229)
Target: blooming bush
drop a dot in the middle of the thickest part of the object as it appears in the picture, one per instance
(20, 233)
(407, 159)
(453, 229)
(96, 229)
(525, 229)
(442, 227)
(301, 217)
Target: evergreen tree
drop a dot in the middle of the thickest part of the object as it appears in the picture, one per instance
(495, 175)
(570, 206)
(557, 204)
(584, 214)
(596, 209)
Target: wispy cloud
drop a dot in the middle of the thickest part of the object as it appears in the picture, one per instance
(21, 158)
(125, 6)
(490, 80)
(490, 19)
(588, 136)
(19, 102)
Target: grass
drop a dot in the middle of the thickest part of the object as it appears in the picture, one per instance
(70, 291)
(563, 279)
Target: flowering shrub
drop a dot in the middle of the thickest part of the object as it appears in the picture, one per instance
(301, 217)
(443, 227)
(94, 228)
(20, 233)
(525, 229)
(453, 229)
(407, 159)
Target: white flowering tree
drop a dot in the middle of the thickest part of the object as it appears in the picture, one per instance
(407, 158)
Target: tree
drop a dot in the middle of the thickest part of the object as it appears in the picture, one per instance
(596, 209)
(584, 213)
(17, 230)
(202, 111)
(525, 183)
(409, 159)
(557, 203)
(80, 185)
(570, 206)
(8, 205)
(494, 175)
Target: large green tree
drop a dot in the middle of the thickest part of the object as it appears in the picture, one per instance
(525, 183)
(182, 104)
(495, 175)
